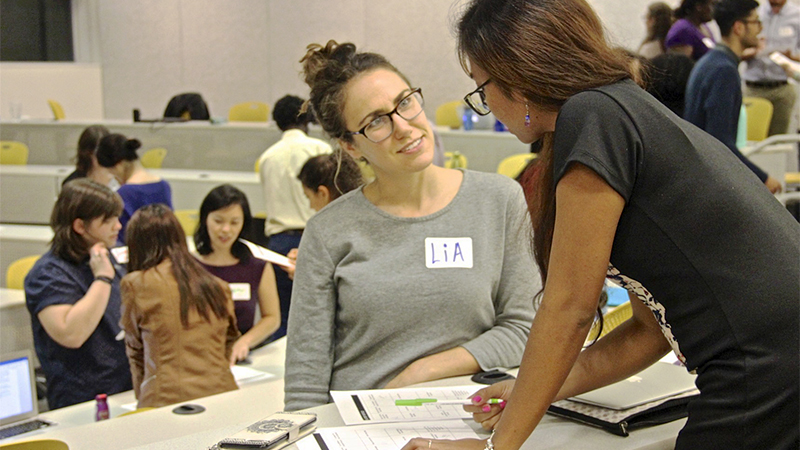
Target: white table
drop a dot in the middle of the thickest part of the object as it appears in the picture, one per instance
(200, 145)
(28, 193)
(227, 413)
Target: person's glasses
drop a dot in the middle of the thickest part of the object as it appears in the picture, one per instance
(381, 127)
(477, 100)
(755, 21)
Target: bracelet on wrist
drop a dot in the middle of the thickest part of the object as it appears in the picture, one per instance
(105, 279)
(489, 443)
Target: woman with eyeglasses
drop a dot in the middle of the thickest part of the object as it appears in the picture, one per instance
(419, 275)
(631, 192)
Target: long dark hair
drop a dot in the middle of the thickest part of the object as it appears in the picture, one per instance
(87, 146)
(559, 49)
(153, 235)
(662, 18)
(337, 172)
(218, 198)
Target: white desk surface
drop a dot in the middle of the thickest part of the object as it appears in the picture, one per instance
(10, 298)
(227, 413)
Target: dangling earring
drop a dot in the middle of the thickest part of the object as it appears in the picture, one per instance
(527, 116)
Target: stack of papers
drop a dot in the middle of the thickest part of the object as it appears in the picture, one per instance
(376, 422)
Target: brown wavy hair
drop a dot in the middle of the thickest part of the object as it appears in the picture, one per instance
(153, 235)
(80, 199)
(545, 51)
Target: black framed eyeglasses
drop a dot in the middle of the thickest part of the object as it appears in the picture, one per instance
(477, 99)
(382, 126)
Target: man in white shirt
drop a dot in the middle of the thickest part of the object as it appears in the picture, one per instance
(286, 205)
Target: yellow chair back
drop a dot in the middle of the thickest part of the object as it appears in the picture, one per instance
(58, 110)
(455, 160)
(36, 444)
(153, 158)
(15, 274)
(189, 219)
(611, 320)
(513, 165)
(249, 112)
(13, 152)
(759, 115)
(449, 114)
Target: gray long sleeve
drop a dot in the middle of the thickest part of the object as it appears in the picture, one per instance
(368, 299)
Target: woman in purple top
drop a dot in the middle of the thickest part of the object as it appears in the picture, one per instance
(138, 187)
(689, 34)
(224, 214)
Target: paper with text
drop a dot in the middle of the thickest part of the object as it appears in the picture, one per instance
(384, 436)
(377, 405)
(266, 254)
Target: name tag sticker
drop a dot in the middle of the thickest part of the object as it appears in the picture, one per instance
(448, 253)
(120, 254)
(708, 42)
(240, 291)
(786, 31)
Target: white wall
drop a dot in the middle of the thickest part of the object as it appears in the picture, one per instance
(78, 87)
(240, 50)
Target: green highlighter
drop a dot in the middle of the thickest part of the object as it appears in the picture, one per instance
(425, 401)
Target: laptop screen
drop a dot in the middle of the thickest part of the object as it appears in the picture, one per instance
(17, 394)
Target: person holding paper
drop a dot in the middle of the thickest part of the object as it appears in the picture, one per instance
(179, 322)
(423, 273)
(224, 217)
(763, 77)
(714, 89)
(72, 294)
(631, 191)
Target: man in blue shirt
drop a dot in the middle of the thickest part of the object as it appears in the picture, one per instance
(764, 78)
(713, 93)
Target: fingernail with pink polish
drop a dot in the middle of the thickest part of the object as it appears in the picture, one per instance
(476, 399)
(502, 404)
(486, 408)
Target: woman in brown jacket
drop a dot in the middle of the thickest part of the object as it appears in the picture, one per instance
(179, 320)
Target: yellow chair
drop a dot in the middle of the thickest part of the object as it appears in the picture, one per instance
(367, 173)
(189, 219)
(136, 411)
(759, 115)
(513, 165)
(154, 158)
(611, 320)
(448, 114)
(249, 112)
(455, 160)
(13, 152)
(792, 178)
(58, 110)
(15, 274)
(36, 444)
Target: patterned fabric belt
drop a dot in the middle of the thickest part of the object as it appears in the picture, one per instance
(765, 84)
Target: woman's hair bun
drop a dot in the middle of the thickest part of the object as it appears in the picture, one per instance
(318, 58)
(131, 145)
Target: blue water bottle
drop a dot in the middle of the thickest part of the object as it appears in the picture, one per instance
(468, 118)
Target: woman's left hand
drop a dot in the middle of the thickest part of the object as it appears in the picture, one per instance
(439, 444)
(240, 351)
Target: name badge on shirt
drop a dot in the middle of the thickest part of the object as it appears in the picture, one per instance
(240, 291)
(448, 253)
(708, 42)
(785, 32)
(120, 254)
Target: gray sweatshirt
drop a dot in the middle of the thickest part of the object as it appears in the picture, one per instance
(374, 292)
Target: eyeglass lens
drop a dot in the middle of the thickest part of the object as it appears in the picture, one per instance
(382, 126)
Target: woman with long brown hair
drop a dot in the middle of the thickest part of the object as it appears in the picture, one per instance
(631, 192)
(658, 21)
(172, 307)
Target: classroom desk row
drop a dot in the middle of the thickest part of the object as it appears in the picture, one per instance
(200, 145)
(227, 413)
(28, 193)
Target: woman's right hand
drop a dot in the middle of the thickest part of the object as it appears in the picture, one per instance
(99, 261)
(292, 255)
(485, 414)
